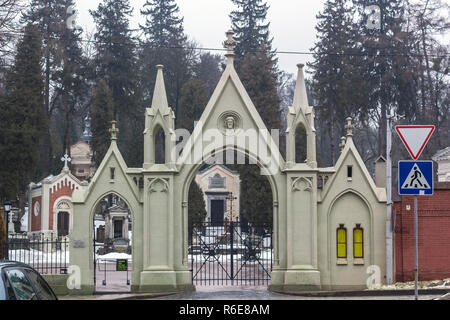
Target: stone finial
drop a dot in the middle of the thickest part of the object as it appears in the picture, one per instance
(300, 95)
(114, 131)
(230, 44)
(342, 145)
(349, 127)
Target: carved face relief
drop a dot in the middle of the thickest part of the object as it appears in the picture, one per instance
(229, 123)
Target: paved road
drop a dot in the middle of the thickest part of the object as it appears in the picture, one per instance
(261, 293)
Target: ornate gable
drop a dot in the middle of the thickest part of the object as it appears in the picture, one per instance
(230, 114)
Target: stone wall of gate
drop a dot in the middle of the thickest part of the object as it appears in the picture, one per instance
(304, 232)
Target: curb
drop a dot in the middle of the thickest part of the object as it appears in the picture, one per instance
(145, 296)
(108, 296)
(367, 293)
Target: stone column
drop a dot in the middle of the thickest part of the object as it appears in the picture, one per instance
(11, 223)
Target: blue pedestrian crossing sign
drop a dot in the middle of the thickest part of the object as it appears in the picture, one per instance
(415, 178)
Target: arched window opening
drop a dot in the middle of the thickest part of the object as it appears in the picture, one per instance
(358, 242)
(341, 242)
(301, 143)
(63, 224)
(160, 147)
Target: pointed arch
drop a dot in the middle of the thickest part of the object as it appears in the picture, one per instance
(301, 143)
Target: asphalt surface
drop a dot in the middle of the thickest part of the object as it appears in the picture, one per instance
(261, 293)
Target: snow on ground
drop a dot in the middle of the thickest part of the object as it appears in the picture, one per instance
(435, 284)
(113, 256)
(39, 257)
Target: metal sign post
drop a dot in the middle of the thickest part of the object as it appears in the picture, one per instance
(416, 250)
(415, 178)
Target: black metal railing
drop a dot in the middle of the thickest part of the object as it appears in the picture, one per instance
(47, 254)
(233, 253)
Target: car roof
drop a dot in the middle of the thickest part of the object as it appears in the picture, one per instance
(7, 263)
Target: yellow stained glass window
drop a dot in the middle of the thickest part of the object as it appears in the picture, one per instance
(358, 242)
(342, 242)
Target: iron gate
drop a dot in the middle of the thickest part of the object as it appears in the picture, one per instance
(112, 269)
(234, 253)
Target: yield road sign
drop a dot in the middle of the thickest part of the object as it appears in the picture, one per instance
(415, 178)
(415, 138)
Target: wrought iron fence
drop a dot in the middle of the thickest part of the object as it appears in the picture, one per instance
(234, 253)
(47, 254)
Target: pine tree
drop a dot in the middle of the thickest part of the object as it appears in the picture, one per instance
(338, 83)
(256, 200)
(388, 65)
(258, 71)
(251, 31)
(64, 67)
(101, 117)
(207, 69)
(115, 57)
(116, 63)
(261, 84)
(22, 116)
(196, 206)
(164, 44)
(193, 100)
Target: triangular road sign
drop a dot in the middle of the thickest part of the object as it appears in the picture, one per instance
(415, 138)
(416, 180)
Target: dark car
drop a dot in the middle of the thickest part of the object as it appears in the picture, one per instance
(21, 282)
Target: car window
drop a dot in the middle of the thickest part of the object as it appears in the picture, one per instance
(43, 290)
(2, 290)
(22, 287)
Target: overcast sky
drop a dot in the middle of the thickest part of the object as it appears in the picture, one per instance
(206, 21)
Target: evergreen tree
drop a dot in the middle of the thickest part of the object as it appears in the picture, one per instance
(116, 63)
(256, 200)
(115, 57)
(388, 67)
(196, 206)
(164, 44)
(22, 116)
(207, 69)
(101, 117)
(261, 84)
(65, 85)
(193, 100)
(258, 71)
(338, 85)
(251, 31)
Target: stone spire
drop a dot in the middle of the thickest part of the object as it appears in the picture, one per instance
(114, 131)
(230, 44)
(300, 96)
(159, 95)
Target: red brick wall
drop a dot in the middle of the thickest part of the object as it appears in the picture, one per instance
(36, 220)
(63, 188)
(434, 237)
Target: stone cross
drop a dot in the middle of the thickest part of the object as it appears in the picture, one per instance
(113, 131)
(66, 159)
(230, 43)
(349, 127)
